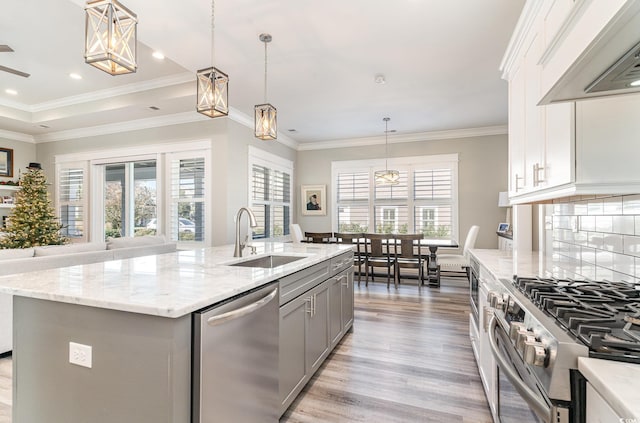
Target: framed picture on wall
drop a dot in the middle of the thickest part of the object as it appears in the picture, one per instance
(6, 162)
(314, 200)
(503, 228)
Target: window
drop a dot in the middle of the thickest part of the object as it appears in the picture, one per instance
(135, 193)
(425, 200)
(71, 203)
(187, 216)
(270, 194)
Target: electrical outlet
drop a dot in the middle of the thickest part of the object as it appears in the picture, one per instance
(80, 354)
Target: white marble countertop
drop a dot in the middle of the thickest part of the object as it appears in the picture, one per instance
(167, 285)
(504, 264)
(617, 382)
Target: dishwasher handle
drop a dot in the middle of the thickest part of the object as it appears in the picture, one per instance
(242, 311)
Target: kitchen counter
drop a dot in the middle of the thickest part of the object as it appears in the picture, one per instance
(617, 382)
(504, 264)
(166, 285)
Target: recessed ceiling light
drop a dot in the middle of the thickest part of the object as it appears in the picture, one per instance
(75, 76)
(10, 91)
(635, 83)
(158, 55)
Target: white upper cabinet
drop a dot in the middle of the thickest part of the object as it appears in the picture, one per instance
(568, 148)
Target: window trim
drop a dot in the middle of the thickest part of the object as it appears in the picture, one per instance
(399, 163)
(259, 157)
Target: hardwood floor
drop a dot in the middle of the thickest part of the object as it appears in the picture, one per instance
(408, 359)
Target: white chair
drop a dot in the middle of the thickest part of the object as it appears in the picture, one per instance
(458, 264)
(296, 233)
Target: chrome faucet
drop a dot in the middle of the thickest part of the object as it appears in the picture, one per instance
(237, 252)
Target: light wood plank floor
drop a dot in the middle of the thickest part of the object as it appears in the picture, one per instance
(408, 359)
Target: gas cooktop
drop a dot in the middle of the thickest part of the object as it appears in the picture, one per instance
(603, 315)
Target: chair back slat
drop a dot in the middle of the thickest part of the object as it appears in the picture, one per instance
(318, 237)
(349, 238)
(405, 246)
(375, 246)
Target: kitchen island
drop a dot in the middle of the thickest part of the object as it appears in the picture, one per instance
(136, 315)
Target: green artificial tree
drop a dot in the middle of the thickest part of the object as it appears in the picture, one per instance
(32, 221)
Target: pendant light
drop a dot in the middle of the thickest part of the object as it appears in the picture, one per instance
(110, 37)
(266, 116)
(213, 84)
(386, 176)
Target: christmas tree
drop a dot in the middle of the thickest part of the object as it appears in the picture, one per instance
(32, 221)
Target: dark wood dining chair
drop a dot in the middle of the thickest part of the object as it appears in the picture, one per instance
(407, 257)
(358, 254)
(379, 253)
(318, 237)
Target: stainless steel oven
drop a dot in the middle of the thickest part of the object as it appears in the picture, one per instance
(520, 399)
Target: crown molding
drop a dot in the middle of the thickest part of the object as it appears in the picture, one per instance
(402, 138)
(137, 87)
(518, 37)
(17, 136)
(132, 125)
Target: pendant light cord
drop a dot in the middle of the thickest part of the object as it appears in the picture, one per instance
(213, 26)
(265, 72)
(386, 144)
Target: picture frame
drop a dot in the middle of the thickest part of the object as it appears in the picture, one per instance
(313, 200)
(503, 228)
(6, 162)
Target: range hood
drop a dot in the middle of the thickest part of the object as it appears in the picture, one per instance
(607, 66)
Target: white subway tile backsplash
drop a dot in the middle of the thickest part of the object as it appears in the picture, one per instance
(595, 207)
(588, 255)
(632, 245)
(631, 204)
(624, 224)
(612, 205)
(604, 259)
(604, 223)
(587, 223)
(613, 242)
(604, 273)
(595, 240)
(624, 264)
(597, 237)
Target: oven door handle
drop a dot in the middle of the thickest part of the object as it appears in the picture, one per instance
(538, 405)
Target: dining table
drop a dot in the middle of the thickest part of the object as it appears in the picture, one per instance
(433, 269)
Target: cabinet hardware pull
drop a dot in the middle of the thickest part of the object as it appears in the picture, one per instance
(536, 174)
(309, 301)
(242, 311)
(518, 179)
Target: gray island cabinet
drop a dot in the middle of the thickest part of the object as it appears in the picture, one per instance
(136, 316)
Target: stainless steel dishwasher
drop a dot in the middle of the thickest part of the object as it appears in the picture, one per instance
(235, 359)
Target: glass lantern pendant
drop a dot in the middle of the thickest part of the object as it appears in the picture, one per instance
(386, 176)
(213, 84)
(265, 115)
(266, 125)
(110, 37)
(213, 92)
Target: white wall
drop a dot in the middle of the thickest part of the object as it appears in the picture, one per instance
(482, 174)
(23, 154)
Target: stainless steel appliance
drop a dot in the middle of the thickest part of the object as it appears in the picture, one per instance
(539, 329)
(235, 359)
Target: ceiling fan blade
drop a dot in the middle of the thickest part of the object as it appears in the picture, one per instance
(5, 48)
(14, 71)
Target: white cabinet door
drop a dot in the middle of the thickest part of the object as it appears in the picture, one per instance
(598, 409)
(607, 147)
(534, 133)
(516, 131)
(559, 145)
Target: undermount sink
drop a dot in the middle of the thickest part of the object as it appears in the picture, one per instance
(268, 262)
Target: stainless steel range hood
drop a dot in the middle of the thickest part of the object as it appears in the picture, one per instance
(625, 73)
(607, 65)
